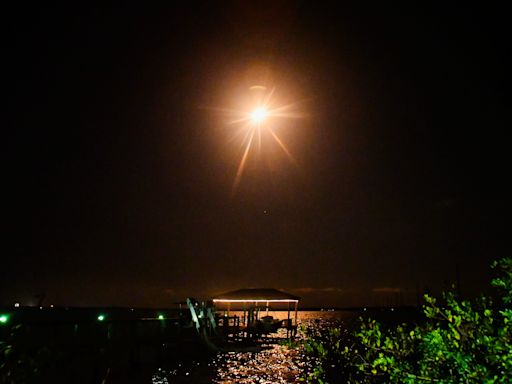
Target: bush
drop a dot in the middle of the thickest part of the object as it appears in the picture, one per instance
(18, 362)
(459, 341)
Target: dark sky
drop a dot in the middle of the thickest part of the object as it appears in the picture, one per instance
(119, 172)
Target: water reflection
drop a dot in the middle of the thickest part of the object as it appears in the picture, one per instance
(275, 363)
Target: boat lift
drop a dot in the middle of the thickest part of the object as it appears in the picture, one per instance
(216, 324)
(252, 303)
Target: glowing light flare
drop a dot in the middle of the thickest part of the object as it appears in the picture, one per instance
(101, 317)
(255, 123)
(258, 115)
(4, 319)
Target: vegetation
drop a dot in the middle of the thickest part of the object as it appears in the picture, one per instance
(458, 341)
(26, 358)
(18, 362)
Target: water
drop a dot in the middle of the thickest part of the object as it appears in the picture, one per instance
(274, 364)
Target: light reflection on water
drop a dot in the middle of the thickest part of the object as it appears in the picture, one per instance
(274, 364)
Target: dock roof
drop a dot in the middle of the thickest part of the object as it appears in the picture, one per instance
(252, 295)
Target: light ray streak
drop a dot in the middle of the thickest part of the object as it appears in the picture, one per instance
(283, 147)
(241, 120)
(242, 163)
(291, 105)
(267, 101)
(259, 138)
(288, 115)
(241, 131)
(247, 133)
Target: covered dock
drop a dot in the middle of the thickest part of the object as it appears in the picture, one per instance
(252, 303)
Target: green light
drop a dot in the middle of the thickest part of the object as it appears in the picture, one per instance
(4, 319)
(161, 317)
(101, 317)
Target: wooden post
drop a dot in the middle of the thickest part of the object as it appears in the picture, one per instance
(296, 306)
(288, 321)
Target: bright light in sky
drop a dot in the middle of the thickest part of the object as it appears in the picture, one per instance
(259, 114)
(249, 128)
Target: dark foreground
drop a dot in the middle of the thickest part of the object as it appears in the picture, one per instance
(116, 345)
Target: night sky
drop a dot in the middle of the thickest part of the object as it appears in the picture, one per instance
(119, 169)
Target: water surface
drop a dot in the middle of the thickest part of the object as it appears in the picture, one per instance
(276, 363)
